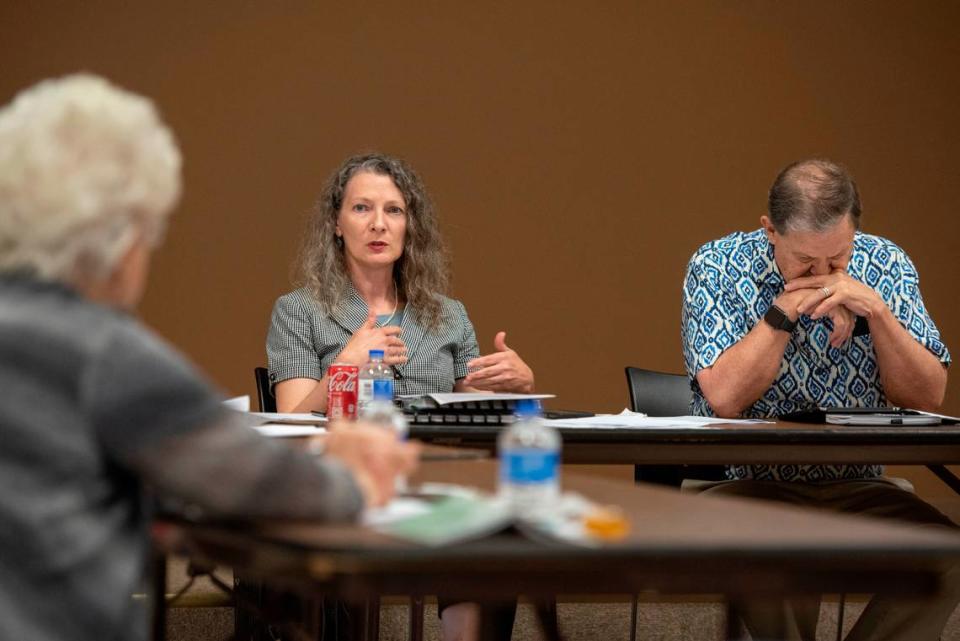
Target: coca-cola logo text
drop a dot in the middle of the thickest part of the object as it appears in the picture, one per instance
(343, 382)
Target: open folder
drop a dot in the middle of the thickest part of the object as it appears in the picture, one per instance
(869, 416)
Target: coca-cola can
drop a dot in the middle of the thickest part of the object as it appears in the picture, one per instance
(342, 391)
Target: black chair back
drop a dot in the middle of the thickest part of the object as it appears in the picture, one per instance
(658, 393)
(662, 394)
(268, 402)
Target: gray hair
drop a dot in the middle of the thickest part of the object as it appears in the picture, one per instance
(85, 167)
(813, 195)
(420, 273)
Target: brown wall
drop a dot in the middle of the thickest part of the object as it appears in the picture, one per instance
(577, 154)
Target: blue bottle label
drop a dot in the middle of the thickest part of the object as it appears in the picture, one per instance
(383, 389)
(527, 465)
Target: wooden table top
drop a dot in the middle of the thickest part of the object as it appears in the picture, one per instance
(772, 443)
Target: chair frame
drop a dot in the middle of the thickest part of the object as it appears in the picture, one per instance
(265, 397)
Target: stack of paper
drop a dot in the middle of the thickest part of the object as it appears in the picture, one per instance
(636, 420)
(281, 425)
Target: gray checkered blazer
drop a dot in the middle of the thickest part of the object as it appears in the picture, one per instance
(303, 342)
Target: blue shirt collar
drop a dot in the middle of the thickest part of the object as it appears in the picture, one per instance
(767, 270)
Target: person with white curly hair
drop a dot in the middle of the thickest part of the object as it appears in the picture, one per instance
(96, 407)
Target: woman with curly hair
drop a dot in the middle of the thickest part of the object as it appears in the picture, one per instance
(374, 271)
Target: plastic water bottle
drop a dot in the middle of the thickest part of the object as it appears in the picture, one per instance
(529, 461)
(376, 376)
(383, 413)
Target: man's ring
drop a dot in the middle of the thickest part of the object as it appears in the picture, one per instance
(826, 291)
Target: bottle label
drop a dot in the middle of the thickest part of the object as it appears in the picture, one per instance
(528, 465)
(383, 389)
(365, 390)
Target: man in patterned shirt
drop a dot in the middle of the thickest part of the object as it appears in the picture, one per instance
(807, 311)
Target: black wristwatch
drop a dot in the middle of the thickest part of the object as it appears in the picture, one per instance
(778, 319)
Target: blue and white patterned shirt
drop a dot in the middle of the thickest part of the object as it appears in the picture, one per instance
(730, 284)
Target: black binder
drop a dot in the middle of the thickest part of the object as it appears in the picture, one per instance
(868, 416)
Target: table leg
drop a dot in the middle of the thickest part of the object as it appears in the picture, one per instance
(364, 620)
(416, 618)
(372, 620)
(496, 621)
(733, 623)
(547, 613)
(840, 604)
(158, 596)
(248, 606)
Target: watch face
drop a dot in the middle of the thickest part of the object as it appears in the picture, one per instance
(776, 316)
(778, 319)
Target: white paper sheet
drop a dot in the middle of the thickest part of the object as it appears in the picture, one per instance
(274, 430)
(290, 418)
(238, 403)
(471, 397)
(634, 420)
(399, 508)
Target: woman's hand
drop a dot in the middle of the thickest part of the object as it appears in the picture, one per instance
(369, 336)
(502, 371)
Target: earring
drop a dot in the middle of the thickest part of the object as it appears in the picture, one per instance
(338, 241)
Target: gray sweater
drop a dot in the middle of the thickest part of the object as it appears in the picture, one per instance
(94, 408)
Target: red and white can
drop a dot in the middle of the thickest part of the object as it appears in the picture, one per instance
(342, 391)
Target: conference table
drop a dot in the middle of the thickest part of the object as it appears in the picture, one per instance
(779, 442)
(677, 543)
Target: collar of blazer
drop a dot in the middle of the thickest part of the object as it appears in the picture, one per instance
(353, 312)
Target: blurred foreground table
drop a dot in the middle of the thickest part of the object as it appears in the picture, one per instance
(677, 543)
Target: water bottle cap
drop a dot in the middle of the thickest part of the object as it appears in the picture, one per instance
(376, 354)
(527, 407)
